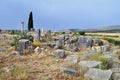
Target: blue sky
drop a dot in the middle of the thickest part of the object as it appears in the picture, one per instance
(60, 14)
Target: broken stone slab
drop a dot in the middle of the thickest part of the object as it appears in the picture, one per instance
(85, 42)
(61, 39)
(72, 58)
(106, 48)
(88, 55)
(68, 70)
(60, 53)
(89, 64)
(97, 74)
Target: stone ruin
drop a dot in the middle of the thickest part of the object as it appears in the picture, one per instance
(63, 43)
(38, 35)
(23, 45)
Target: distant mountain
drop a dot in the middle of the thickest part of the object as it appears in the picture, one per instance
(115, 28)
(70, 30)
(110, 27)
(105, 29)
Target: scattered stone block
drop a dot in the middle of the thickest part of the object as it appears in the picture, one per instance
(72, 58)
(89, 64)
(68, 70)
(60, 53)
(97, 74)
(87, 55)
(23, 44)
(62, 39)
(85, 42)
(106, 48)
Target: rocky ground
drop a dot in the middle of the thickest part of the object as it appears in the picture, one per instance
(62, 58)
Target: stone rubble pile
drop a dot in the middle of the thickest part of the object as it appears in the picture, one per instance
(63, 43)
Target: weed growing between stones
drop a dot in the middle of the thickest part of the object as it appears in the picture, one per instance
(105, 63)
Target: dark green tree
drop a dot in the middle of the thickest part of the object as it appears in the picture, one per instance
(30, 21)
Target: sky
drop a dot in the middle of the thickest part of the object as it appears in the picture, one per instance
(59, 14)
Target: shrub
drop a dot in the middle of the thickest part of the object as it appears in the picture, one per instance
(62, 32)
(14, 32)
(57, 33)
(15, 42)
(22, 36)
(29, 37)
(81, 32)
(35, 44)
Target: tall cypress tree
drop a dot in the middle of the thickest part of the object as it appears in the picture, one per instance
(30, 21)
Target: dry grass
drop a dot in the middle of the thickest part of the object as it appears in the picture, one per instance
(42, 66)
(36, 67)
